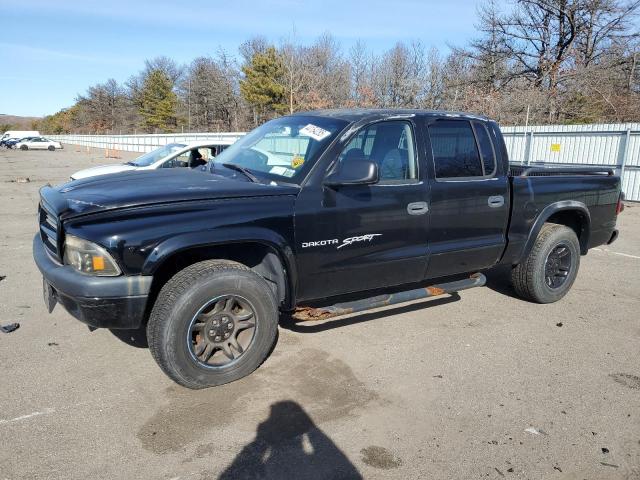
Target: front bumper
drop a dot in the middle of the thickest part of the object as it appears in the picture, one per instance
(101, 302)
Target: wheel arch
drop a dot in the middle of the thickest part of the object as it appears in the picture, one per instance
(571, 213)
(267, 255)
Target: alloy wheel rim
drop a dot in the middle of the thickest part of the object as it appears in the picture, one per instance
(557, 266)
(222, 331)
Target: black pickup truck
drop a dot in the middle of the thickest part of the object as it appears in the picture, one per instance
(320, 213)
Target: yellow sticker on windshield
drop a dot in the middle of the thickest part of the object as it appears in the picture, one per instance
(297, 161)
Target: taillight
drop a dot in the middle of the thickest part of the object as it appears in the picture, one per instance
(620, 205)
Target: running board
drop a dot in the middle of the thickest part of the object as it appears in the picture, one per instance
(302, 314)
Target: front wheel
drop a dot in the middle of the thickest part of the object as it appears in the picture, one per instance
(51, 148)
(213, 322)
(547, 273)
(24, 147)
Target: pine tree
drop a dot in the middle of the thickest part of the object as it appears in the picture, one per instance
(158, 102)
(263, 85)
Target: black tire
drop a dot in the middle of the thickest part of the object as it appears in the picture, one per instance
(24, 147)
(533, 279)
(51, 148)
(180, 301)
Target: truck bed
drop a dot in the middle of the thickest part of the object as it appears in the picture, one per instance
(542, 193)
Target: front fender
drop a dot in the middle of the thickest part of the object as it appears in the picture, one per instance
(224, 236)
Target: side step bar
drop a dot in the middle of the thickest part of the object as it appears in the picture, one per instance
(302, 314)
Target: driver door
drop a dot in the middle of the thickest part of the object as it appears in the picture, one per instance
(352, 238)
(179, 161)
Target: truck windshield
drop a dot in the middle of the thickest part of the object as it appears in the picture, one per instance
(283, 149)
(155, 155)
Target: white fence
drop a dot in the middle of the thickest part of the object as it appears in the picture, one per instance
(616, 146)
(142, 143)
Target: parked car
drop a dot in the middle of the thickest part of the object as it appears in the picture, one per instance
(37, 143)
(19, 134)
(171, 155)
(358, 202)
(10, 142)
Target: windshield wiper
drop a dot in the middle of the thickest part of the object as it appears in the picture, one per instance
(245, 171)
(133, 164)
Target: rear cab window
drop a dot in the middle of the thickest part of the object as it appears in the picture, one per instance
(461, 150)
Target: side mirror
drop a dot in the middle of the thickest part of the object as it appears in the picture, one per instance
(353, 172)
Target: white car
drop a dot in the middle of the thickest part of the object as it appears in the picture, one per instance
(172, 155)
(38, 143)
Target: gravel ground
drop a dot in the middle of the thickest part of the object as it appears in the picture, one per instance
(480, 385)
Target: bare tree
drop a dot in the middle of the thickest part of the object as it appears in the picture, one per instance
(360, 62)
(296, 75)
(209, 93)
(248, 49)
(104, 107)
(399, 76)
(327, 80)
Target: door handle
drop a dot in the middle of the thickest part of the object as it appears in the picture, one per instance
(496, 201)
(417, 208)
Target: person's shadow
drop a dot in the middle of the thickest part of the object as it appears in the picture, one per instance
(289, 445)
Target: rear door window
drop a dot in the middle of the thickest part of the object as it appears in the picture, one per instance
(455, 151)
(486, 148)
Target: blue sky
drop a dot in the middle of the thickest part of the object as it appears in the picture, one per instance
(50, 51)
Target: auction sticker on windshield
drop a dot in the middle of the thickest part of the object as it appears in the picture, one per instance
(284, 171)
(315, 132)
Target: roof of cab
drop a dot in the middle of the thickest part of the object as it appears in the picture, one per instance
(357, 114)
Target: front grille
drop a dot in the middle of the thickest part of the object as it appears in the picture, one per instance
(49, 231)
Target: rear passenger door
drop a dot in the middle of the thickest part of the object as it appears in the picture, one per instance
(469, 201)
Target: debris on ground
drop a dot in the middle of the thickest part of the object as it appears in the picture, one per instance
(631, 381)
(535, 431)
(22, 180)
(559, 324)
(605, 450)
(9, 327)
(609, 465)
(2, 277)
(380, 457)
(52, 344)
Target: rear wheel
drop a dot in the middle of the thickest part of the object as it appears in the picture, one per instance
(24, 147)
(213, 322)
(51, 148)
(547, 273)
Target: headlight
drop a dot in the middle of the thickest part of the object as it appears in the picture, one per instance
(89, 258)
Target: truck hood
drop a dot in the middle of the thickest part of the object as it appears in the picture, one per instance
(102, 170)
(137, 188)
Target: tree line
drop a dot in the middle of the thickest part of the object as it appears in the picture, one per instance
(537, 61)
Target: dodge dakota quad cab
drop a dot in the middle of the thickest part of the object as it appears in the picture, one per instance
(361, 207)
